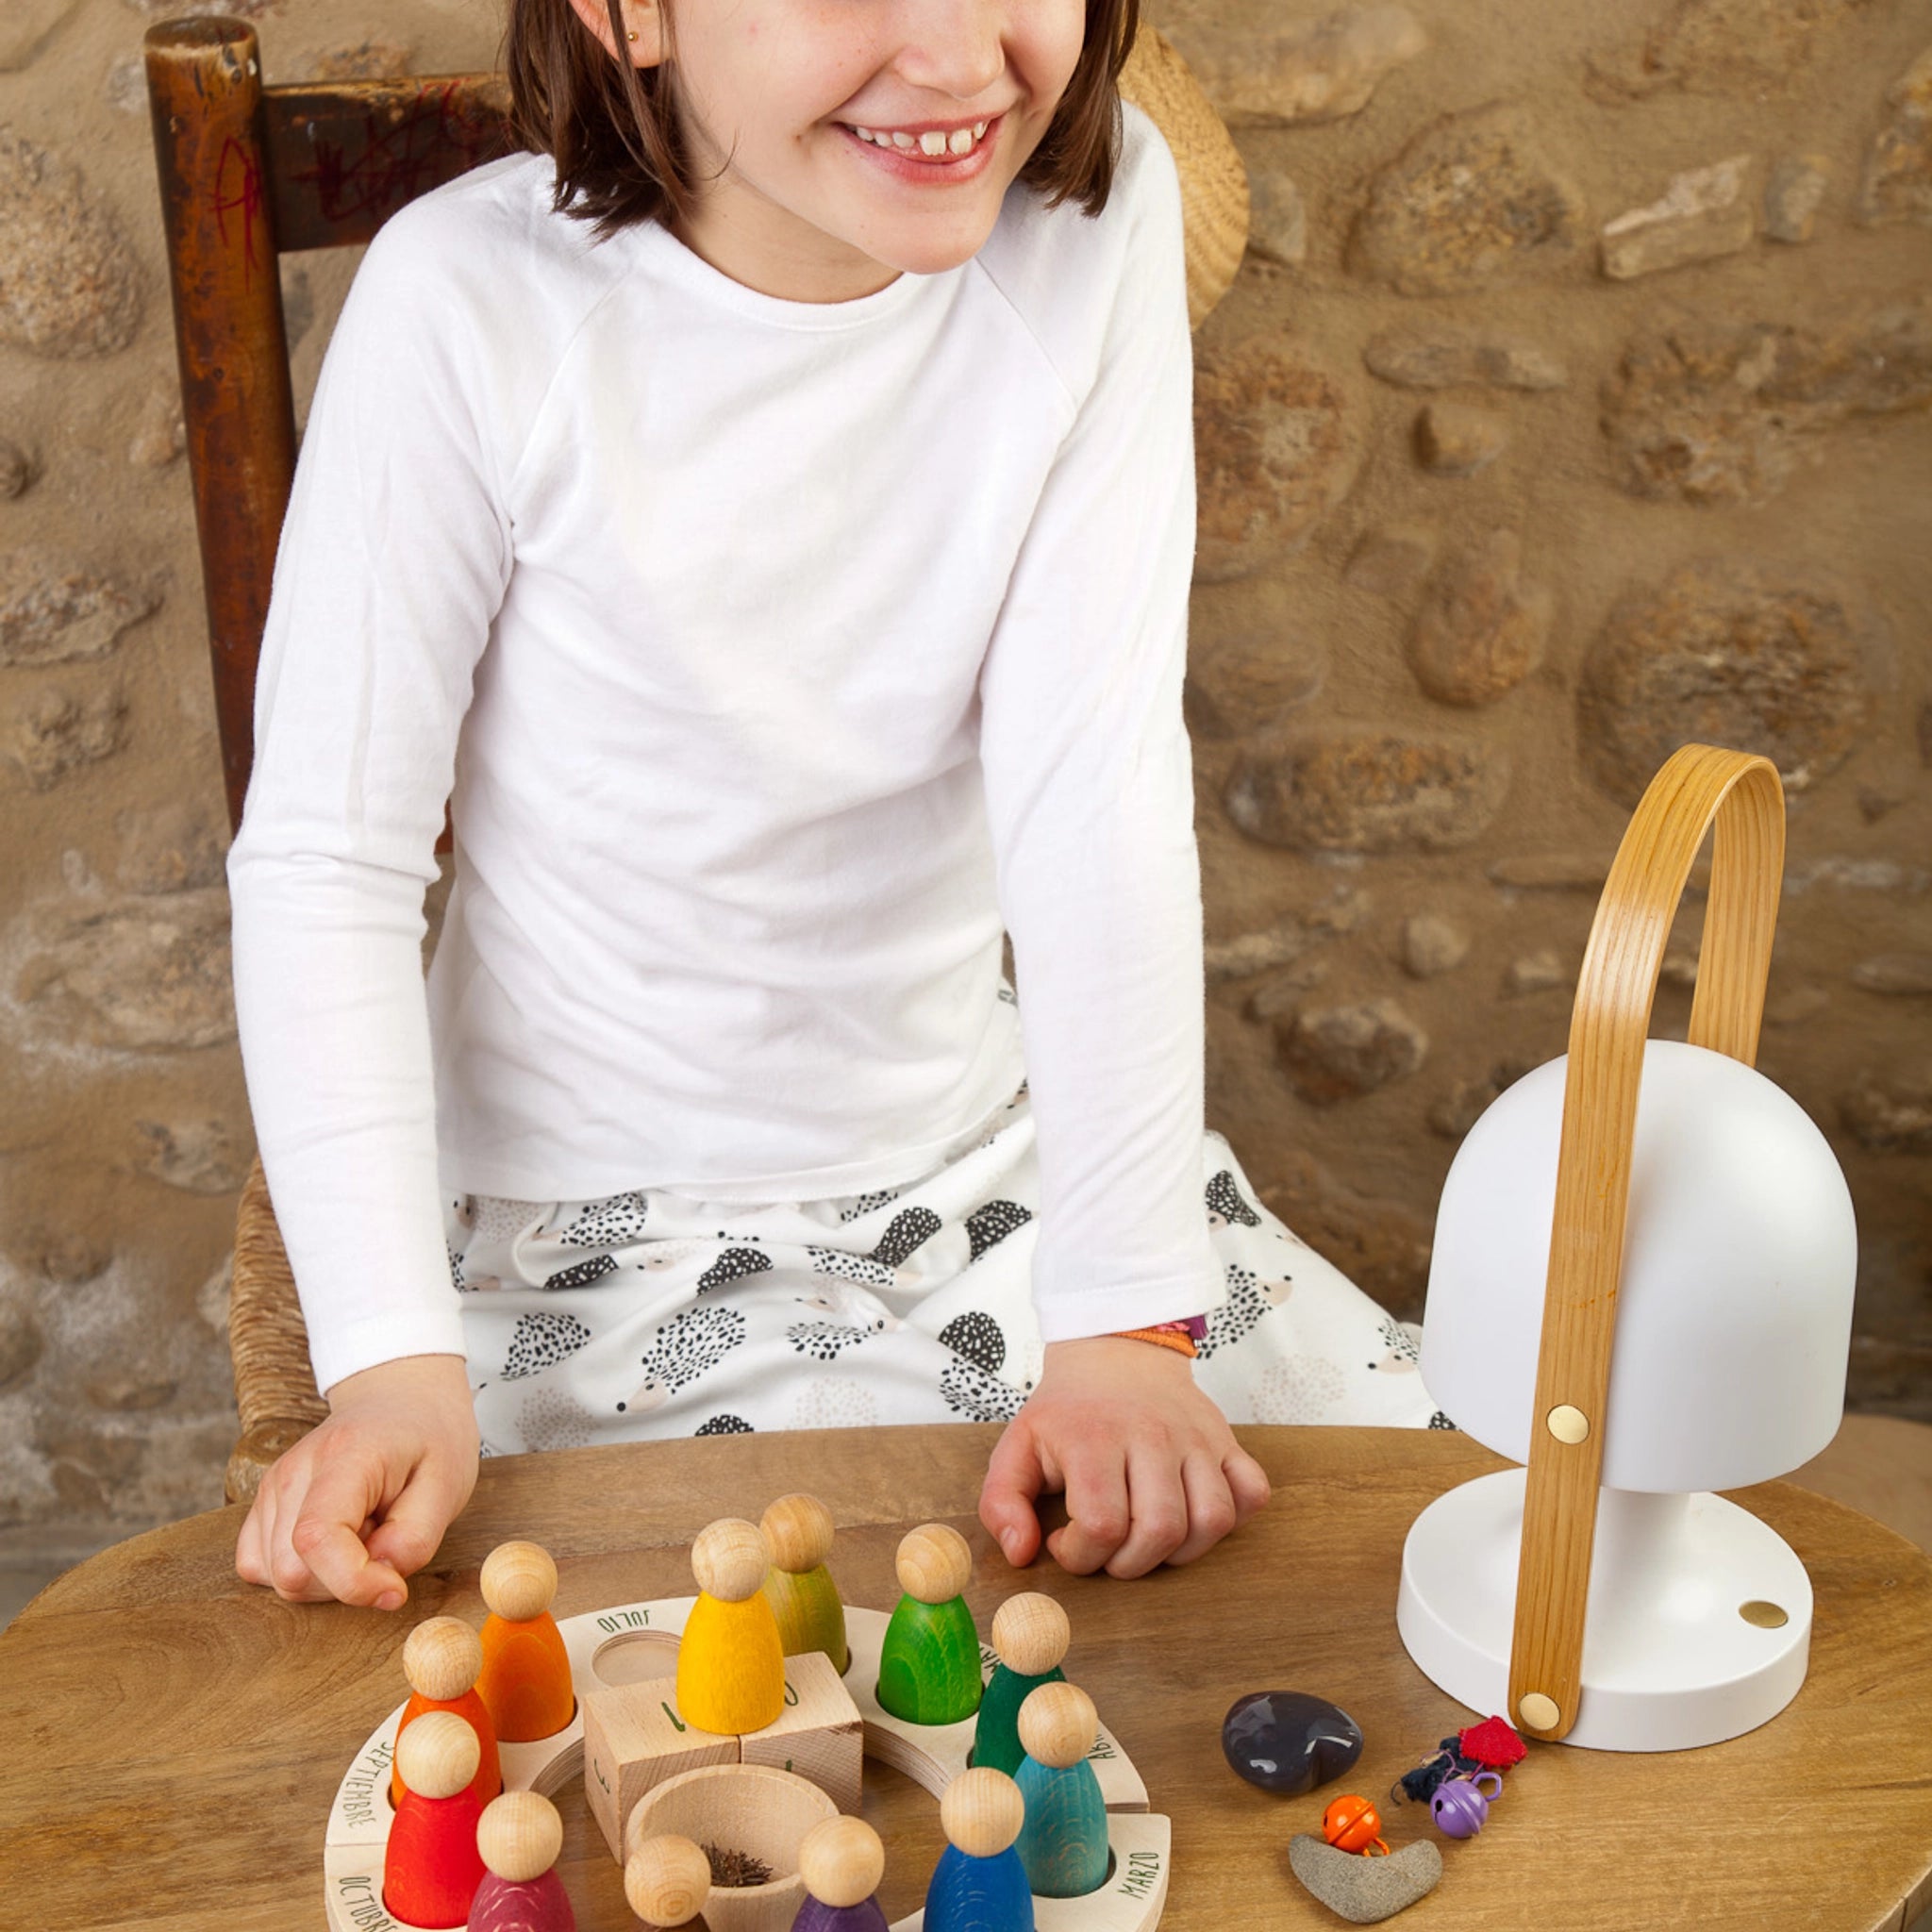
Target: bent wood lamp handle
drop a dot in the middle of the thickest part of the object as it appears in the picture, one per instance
(1698, 785)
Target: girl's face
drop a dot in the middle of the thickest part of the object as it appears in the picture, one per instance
(793, 200)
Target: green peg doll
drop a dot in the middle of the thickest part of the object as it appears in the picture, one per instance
(1030, 1635)
(929, 1662)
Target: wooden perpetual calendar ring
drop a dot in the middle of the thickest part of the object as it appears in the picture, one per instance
(635, 1642)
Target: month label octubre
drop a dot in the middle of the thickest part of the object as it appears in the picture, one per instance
(357, 1894)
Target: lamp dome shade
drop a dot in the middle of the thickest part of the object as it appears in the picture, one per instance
(1735, 1309)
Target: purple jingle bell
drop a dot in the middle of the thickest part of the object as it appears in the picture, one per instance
(1463, 1807)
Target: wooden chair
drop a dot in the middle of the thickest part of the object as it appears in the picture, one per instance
(249, 173)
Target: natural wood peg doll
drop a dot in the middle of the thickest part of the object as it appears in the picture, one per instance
(1063, 1841)
(526, 1682)
(979, 1884)
(798, 1586)
(443, 1659)
(730, 1663)
(667, 1880)
(841, 1863)
(1030, 1635)
(518, 1837)
(929, 1662)
(431, 1868)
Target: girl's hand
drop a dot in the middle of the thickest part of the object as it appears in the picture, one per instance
(363, 1499)
(1151, 1469)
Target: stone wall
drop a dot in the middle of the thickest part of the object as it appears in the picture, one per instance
(1571, 402)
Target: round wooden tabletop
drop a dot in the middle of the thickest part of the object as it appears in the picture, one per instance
(172, 1738)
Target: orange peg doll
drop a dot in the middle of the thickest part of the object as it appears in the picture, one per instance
(442, 1660)
(525, 1680)
(431, 1868)
(798, 1586)
(730, 1663)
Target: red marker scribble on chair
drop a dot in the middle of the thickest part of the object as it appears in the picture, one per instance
(394, 162)
(246, 200)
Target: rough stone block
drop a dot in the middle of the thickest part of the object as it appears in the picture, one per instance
(71, 286)
(1705, 213)
(1483, 626)
(1274, 447)
(1469, 202)
(1459, 439)
(1258, 68)
(1793, 193)
(1897, 182)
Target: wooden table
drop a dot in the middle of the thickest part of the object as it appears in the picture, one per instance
(173, 1738)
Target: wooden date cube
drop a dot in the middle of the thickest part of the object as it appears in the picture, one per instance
(634, 1739)
(818, 1734)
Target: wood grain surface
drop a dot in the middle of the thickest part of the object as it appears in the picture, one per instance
(172, 1738)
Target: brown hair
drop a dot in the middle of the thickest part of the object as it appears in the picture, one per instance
(614, 133)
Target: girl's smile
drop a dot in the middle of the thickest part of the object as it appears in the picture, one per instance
(934, 155)
(840, 143)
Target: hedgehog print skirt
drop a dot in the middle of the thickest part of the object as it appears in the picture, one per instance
(652, 1314)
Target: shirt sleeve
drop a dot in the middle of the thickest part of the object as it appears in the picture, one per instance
(1090, 797)
(394, 559)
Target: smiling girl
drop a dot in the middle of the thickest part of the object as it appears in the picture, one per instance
(764, 511)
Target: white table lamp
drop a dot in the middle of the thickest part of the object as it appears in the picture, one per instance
(1641, 1289)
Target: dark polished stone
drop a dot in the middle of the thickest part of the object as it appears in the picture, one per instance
(1289, 1742)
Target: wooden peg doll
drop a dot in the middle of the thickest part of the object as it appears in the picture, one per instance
(929, 1660)
(1030, 1635)
(730, 1663)
(443, 1659)
(431, 1867)
(667, 1880)
(798, 1586)
(841, 1863)
(525, 1681)
(979, 1884)
(518, 1838)
(1063, 1842)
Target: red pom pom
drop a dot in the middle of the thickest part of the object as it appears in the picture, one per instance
(1492, 1744)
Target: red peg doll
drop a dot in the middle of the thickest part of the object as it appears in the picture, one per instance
(431, 1869)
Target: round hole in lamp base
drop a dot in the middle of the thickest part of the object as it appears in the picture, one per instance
(1682, 1645)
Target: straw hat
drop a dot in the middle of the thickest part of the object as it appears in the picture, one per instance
(1214, 185)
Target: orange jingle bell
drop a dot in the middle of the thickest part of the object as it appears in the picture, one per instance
(1352, 1823)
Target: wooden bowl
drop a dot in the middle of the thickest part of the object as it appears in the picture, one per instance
(744, 1808)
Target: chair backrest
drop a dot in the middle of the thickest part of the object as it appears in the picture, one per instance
(248, 173)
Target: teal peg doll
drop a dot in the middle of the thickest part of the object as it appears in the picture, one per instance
(1063, 1842)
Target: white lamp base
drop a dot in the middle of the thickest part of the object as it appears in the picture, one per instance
(1676, 1649)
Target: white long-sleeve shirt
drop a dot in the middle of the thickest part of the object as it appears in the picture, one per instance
(771, 655)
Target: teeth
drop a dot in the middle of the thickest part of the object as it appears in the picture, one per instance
(933, 143)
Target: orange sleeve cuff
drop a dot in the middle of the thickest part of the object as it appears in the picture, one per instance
(1175, 1337)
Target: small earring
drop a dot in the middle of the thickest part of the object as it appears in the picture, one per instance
(632, 35)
